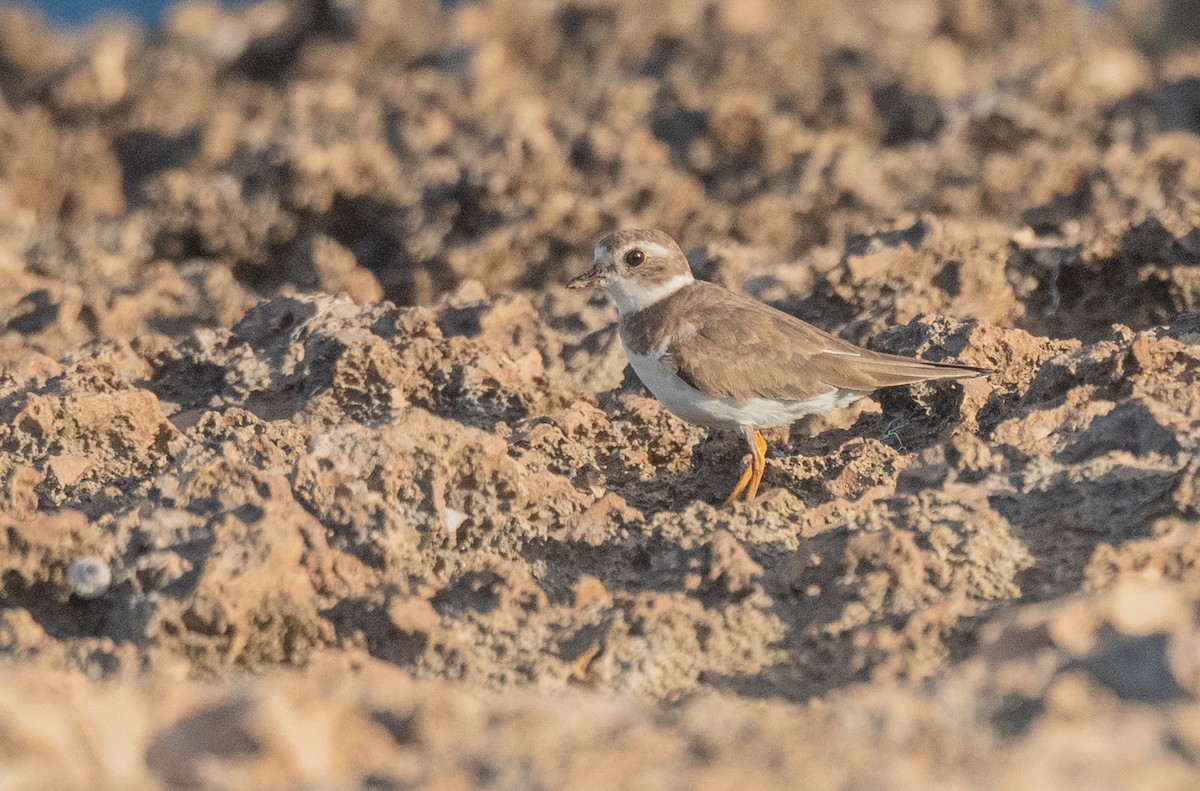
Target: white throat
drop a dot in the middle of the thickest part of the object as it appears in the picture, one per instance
(632, 296)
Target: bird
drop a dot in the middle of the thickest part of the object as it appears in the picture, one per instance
(724, 360)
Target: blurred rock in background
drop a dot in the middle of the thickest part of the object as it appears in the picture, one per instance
(312, 474)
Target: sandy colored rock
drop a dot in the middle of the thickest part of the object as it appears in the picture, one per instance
(313, 475)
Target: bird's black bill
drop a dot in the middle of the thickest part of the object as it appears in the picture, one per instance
(589, 278)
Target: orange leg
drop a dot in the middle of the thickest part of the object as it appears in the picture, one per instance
(760, 459)
(741, 484)
(752, 475)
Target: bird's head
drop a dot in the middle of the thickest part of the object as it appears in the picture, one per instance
(637, 268)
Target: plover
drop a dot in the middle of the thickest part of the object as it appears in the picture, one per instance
(725, 360)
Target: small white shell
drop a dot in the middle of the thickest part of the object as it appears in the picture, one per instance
(454, 520)
(89, 576)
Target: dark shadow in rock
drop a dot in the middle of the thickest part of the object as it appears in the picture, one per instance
(1130, 427)
(1136, 668)
(359, 619)
(477, 591)
(824, 307)
(269, 57)
(630, 383)
(949, 278)
(861, 244)
(1062, 523)
(589, 30)
(761, 686)
(188, 378)
(142, 154)
(678, 127)
(403, 728)
(909, 117)
(468, 203)
(587, 361)
(998, 131)
(546, 268)
(1016, 715)
(1172, 106)
(180, 754)
(454, 399)
(375, 232)
(915, 417)
(464, 322)
(187, 382)
(716, 465)
(35, 312)
(1050, 217)
(270, 326)
(367, 227)
(1074, 298)
(66, 618)
(669, 491)
(177, 326)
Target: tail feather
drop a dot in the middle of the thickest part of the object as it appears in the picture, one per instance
(889, 371)
(874, 370)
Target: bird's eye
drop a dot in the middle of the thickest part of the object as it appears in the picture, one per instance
(635, 258)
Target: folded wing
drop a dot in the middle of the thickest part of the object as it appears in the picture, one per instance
(736, 347)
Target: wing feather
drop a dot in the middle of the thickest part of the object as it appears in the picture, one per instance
(729, 345)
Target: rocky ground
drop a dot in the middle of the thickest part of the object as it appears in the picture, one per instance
(314, 475)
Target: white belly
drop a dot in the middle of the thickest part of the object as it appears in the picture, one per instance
(705, 410)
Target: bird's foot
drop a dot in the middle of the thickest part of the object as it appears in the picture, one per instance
(748, 484)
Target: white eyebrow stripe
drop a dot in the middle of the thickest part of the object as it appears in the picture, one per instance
(653, 249)
(839, 353)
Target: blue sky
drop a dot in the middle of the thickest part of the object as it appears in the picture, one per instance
(77, 12)
(149, 12)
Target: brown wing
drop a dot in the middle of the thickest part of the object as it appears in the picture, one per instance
(729, 345)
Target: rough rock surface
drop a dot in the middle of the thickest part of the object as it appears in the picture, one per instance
(312, 474)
